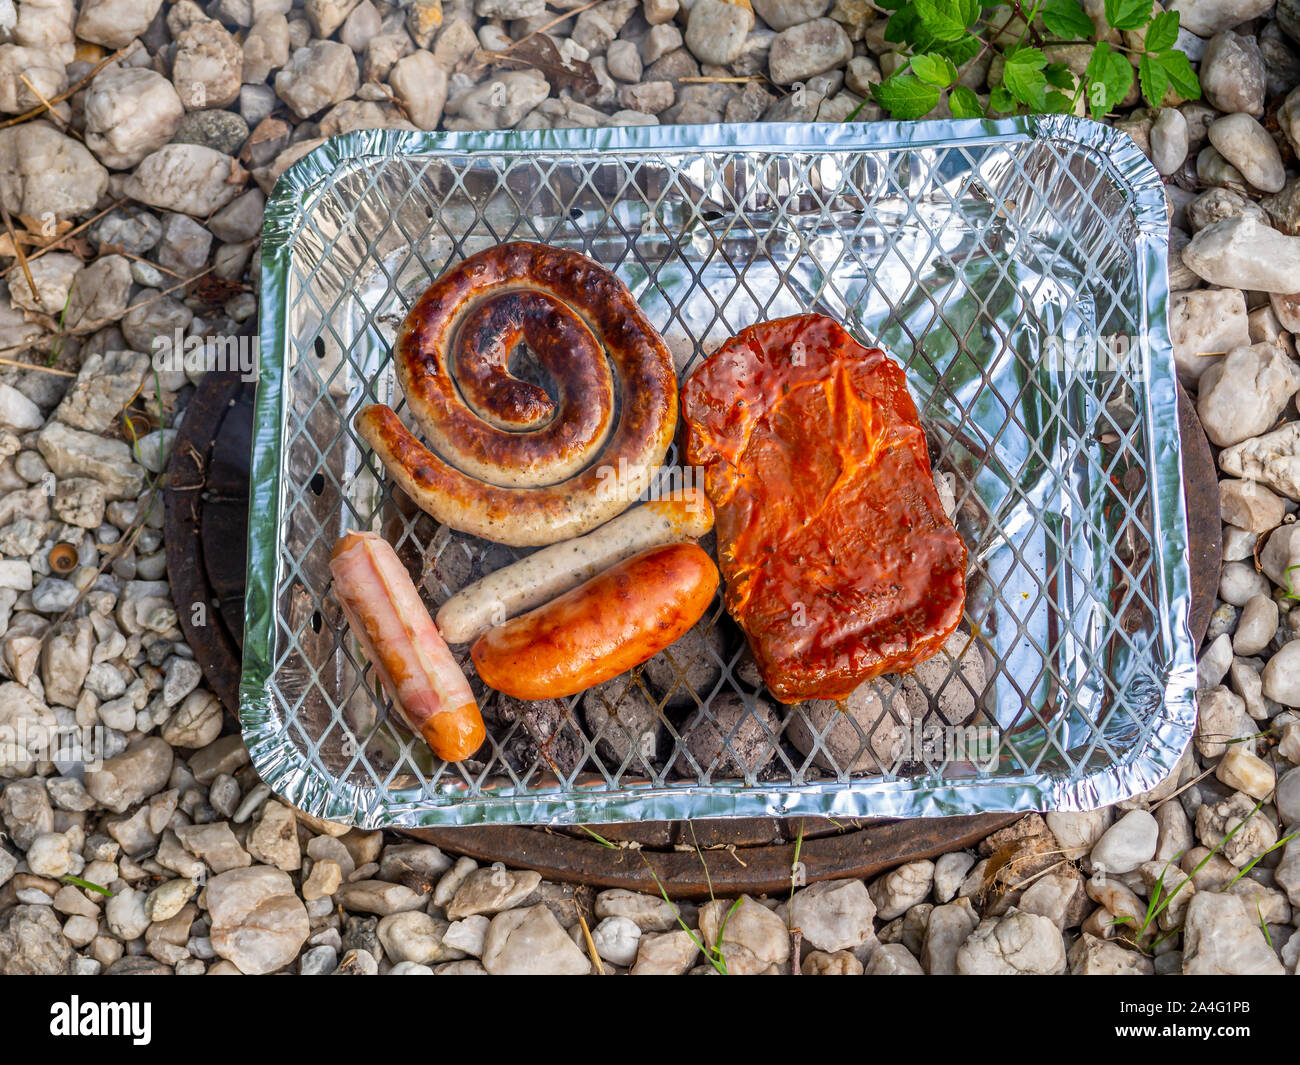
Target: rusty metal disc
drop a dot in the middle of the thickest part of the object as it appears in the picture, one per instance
(730, 856)
(206, 526)
(206, 531)
(1204, 526)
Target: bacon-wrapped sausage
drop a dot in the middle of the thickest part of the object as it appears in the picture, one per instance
(390, 621)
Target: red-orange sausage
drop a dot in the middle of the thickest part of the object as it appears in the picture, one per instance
(390, 621)
(618, 619)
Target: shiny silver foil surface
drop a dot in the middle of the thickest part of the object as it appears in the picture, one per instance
(1016, 268)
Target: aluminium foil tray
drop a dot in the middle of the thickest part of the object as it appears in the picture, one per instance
(1016, 268)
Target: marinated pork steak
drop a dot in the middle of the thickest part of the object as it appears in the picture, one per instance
(840, 563)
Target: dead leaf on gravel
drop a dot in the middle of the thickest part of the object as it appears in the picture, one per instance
(33, 233)
(541, 53)
(214, 291)
(238, 175)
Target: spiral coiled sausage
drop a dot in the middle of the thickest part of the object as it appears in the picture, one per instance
(508, 462)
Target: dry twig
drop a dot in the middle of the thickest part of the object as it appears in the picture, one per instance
(591, 945)
(72, 90)
(35, 366)
(63, 122)
(710, 80)
(18, 250)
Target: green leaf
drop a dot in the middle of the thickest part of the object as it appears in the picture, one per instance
(898, 30)
(947, 19)
(1128, 14)
(1060, 76)
(904, 27)
(1001, 100)
(1163, 31)
(906, 96)
(963, 103)
(1024, 78)
(1181, 75)
(1058, 103)
(1154, 80)
(1067, 19)
(934, 69)
(962, 50)
(1110, 76)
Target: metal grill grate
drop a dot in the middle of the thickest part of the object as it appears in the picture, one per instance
(963, 249)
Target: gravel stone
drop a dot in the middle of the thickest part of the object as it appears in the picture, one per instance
(1243, 253)
(834, 914)
(32, 943)
(1128, 843)
(129, 112)
(1243, 394)
(491, 890)
(1216, 820)
(45, 173)
(1013, 944)
(531, 942)
(1215, 205)
(949, 927)
(497, 104)
(716, 30)
(1246, 145)
(1208, 17)
(1169, 140)
(222, 131)
(132, 776)
(208, 67)
(317, 77)
(265, 50)
(807, 49)
(258, 923)
(753, 939)
(623, 61)
(115, 23)
(1232, 74)
(665, 953)
(189, 178)
(1204, 322)
(415, 937)
(1223, 938)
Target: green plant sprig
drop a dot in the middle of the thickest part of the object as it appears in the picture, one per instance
(939, 36)
(76, 881)
(1159, 901)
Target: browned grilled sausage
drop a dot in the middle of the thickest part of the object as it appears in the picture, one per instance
(617, 620)
(505, 461)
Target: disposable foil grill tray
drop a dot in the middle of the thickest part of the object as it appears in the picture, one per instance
(1016, 269)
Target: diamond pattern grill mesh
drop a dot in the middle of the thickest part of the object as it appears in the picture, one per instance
(962, 261)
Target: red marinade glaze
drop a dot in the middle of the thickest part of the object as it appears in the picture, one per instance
(840, 563)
